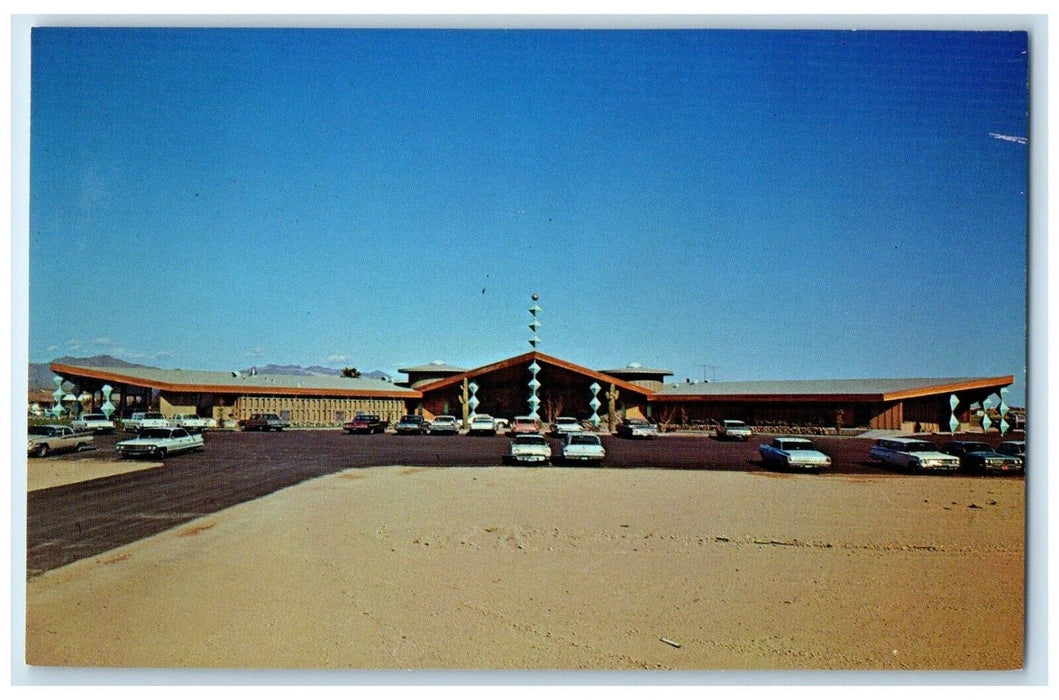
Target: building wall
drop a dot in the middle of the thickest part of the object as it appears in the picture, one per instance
(314, 411)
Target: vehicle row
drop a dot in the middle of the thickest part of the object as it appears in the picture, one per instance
(149, 442)
(917, 455)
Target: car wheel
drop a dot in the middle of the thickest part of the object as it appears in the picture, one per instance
(43, 451)
(161, 453)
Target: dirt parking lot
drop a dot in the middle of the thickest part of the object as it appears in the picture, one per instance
(558, 568)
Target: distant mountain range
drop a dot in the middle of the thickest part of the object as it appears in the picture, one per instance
(40, 374)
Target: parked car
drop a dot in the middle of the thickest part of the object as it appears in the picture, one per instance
(530, 449)
(583, 447)
(979, 457)
(1015, 448)
(160, 442)
(482, 424)
(565, 425)
(733, 430)
(793, 453)
(412, 425)
(192, 422)
(525, 425)
(636, 428)
(93, 423)
(444, 425)
(144, 419)
(366, 423)
(912, 454)
(263, 422)
(46, 439)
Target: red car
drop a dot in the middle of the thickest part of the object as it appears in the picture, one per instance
(366, 423)
(525, 425)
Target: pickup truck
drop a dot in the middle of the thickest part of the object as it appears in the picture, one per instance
(191, 422)
(366, 423)
(141, 420)
(263, 422)
(159, 442)
(45, 439)
(732, 430)
(92, 423)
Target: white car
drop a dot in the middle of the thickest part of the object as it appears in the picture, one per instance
(159, 442)
(565, 425)
(793, 453)
(444, 424)
(733, 430)
(141, 420)
(583, 447)
(912, 454)
(482, 424)
(531, 449)
(93, 422)
(191, 422)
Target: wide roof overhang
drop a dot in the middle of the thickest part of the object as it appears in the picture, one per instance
(225, 383)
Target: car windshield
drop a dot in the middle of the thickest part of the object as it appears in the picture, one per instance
(483, 419)
(41, 430)
(918, 447)
(977, 447)
(154, 433)
(734, 423)
(524, 421)
(796, 445)
(94, 416)
(411, 419)
(584, 440)
(153, 416)
(530, 440)
(1013, 447)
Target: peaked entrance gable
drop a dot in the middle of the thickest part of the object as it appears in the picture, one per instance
(503, 390)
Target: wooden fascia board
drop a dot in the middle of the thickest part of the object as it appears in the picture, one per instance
(784, 398)
(233, 390)
(985, 383)
(527, 357)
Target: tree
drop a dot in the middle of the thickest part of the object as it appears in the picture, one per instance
(350, 372)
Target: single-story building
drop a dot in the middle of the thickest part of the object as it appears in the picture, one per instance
(305, 401)
(503, 389)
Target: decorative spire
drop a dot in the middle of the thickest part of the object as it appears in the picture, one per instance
(534, 368)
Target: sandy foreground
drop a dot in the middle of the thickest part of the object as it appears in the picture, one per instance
(518, 568)
(46, 473)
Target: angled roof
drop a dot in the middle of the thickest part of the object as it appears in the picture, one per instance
(542, 359)
(228, 383)
(824, 389)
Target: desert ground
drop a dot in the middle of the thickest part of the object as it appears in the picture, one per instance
(550, 568)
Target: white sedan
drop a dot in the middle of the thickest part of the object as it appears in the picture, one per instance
(159, 442)
(793, 453)
(583, 447)
(531, 449)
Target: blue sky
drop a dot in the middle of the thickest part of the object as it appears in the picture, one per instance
(728, 204)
